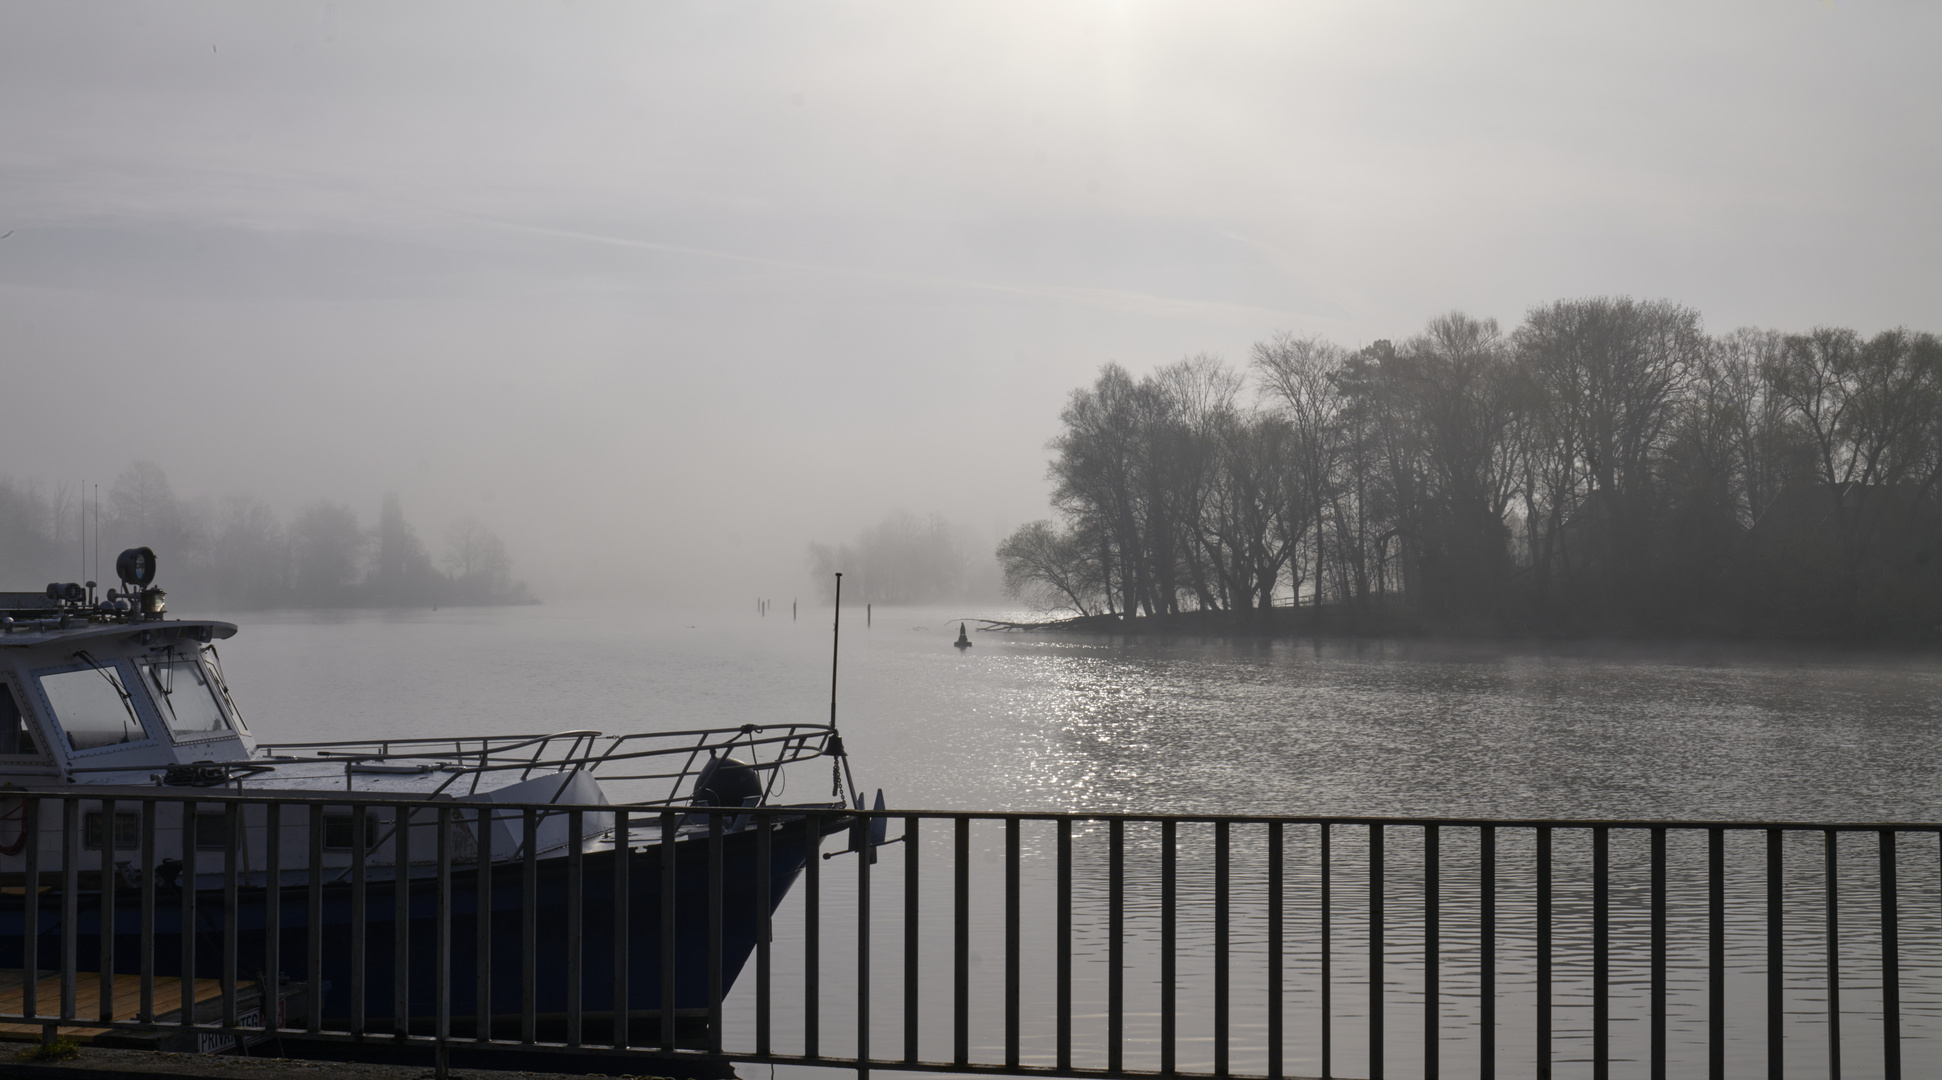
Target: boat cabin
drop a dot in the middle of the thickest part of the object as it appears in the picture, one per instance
(115, 702)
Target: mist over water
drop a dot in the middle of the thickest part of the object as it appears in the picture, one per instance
(1299, 728)
(1041, 722)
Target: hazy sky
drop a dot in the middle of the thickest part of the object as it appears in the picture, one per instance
(684, 286)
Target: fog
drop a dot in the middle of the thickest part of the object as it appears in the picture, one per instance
(665, 294)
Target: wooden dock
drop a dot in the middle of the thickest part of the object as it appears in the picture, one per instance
(168, 1033)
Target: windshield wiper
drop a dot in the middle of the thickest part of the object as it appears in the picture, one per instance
(222, 684)
(168, 691)
(127, 703)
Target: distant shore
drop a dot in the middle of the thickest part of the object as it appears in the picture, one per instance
(1340, 622)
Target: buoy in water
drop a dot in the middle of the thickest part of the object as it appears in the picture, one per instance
(963, 642)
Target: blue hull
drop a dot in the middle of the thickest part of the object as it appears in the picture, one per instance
(599, 949)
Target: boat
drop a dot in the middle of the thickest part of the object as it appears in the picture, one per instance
(160, 803)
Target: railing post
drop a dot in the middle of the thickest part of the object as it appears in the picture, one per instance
(442, 988)
(860, 841)
(670, 833)
(482, 906)
(232, 845)
(623, 949)
(1328, 949)
(1832, 877)
(717, 982)
(1375, 952)
(1169, 945)
(314, 931)
(1601, 953)
(1657, 1005)
(1223, 938)
(1012, 937)
(1544, 1066)
(764, 929)
(186, 900)
(1891, 979)
(529, 926)
(1275, 948)
(576, 916)
(1116, 945)
(147, 1007)
(362, 835)
(1716, 954)
(912, 942)
(1487, 951)
(961, 946)
(812, 933)
(1064, 1034)
(30, 908)
(105, 980)
(70, 903)
(1432, 952)
(401, 922)
(1776, 970)
(270, 981)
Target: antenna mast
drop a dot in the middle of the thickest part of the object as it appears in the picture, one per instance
(836, 741)
(835, 643)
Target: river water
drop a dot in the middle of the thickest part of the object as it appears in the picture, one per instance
(1248, 727)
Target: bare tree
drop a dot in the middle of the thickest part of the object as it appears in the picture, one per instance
(327, 553)
(1770, 450)
(143, 509)
(1300, 374)
(1097, 479)
(1609, 374)
(476, 559)
(903, 559)
(1187, 408)
(1869, 409)
(251, 554)
(1050, 569)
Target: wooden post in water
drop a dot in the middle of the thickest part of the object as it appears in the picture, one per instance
(866, 616)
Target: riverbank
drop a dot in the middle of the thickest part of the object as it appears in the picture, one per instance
(1375, 623)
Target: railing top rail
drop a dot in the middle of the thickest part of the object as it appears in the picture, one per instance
(214, 795)
(337, 749)
(792, 743)
(1450, 822)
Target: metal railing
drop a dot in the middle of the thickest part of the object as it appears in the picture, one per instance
(1012, 943)
(665, 763)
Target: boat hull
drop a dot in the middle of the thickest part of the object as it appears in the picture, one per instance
(507, 923)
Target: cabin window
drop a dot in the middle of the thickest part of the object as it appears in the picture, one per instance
(212, 832)
(93, 707)
(340, 830)
(128, 831)
(15, 736)
(185, 696)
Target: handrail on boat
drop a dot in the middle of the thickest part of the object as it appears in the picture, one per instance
(769, 747)
(445, 749)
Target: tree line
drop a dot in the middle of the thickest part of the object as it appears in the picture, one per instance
(235, 552)
(1607, 466)
(906, 559)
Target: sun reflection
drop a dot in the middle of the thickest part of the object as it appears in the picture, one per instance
(1374, 728)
